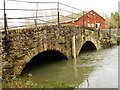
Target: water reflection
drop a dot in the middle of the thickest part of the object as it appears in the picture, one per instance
(76, 71)
(105, 74)
(75, 68)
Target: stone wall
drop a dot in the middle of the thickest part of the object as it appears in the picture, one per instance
(26, 43)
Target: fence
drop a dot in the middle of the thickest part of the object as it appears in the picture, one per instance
(32, 14)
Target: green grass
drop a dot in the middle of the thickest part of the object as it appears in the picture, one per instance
(29, 83)
(66, 18)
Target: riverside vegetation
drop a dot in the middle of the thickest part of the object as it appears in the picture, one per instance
(17, 82)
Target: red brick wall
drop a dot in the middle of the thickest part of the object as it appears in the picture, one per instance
(90, 18)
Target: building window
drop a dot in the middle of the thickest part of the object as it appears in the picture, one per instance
(92, 25)
(88, 25)
(97, 25)
(93, 13)
(85, 22)
(88, 15)
(88, 20)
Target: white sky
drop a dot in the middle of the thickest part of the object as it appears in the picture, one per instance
(103, 7)
(106, 6)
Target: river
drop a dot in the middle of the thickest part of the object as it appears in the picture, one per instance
(105, 74)
(96, 69)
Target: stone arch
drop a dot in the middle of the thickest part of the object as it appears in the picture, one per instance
(34, 52)
(88, 46)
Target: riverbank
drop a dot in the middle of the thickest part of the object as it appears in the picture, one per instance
(29, 83)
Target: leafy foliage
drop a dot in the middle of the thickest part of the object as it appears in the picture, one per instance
(29, 83)
(114, 18)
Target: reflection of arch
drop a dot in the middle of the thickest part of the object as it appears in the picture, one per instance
(49, 54)
(87, 46)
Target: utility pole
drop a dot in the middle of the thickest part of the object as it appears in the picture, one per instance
(83, 26)
(72, 15)
(5, 23)
(36, 14)
(6, 39)
(58, 13)
(83, 19)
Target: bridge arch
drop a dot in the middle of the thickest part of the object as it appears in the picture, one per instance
(35, 54)
(88, 46)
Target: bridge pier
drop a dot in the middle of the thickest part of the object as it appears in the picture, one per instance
(73, 47)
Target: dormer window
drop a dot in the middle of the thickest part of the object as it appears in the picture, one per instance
(85, 22)
(88, 15)
(91, 12)
(88, 20)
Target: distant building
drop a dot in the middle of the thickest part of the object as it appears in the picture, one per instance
(91, 19)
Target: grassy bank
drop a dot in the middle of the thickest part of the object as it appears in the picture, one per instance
(29, 83)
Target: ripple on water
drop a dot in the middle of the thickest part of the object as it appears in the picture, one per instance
(95, 66)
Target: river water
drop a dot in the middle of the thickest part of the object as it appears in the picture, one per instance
(95, 69)
(105, 74)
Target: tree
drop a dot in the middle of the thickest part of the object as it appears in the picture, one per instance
(114, 18)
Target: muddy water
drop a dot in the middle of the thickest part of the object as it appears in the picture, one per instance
(105, 73)
(96, 69)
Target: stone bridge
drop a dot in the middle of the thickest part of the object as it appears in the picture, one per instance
(64, 41)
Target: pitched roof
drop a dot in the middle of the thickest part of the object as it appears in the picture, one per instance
(94, 12)
(75, 16)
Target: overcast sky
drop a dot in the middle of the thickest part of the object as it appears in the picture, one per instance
(103, 7)
(107, 6)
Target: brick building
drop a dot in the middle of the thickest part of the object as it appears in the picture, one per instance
(91, 19)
